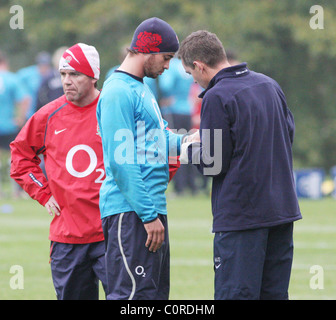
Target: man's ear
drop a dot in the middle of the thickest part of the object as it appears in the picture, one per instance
(199, 65)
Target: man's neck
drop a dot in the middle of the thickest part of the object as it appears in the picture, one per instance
(133, 64)
(213, 72)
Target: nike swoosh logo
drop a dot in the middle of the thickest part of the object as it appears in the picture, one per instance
(59, 131)
(217, 266)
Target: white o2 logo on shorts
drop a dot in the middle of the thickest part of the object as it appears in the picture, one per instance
(140, 271)
(90, 168)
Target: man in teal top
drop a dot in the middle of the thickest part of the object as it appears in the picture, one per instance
(136, 145)
(14, 102)
(32, 76)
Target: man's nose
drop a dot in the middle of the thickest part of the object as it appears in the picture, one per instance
(67, 79)
(166, 65)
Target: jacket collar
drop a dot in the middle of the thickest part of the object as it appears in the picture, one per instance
(230, 72)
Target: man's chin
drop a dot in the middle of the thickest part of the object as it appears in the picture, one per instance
(70, 97)
(152, 76)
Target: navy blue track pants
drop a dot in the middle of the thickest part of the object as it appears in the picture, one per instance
(253, 264)
(76, 269)
(133, 272)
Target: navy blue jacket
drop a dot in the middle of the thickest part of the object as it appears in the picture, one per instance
(247, 133)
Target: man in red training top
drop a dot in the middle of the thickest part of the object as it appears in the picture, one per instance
(65, 132)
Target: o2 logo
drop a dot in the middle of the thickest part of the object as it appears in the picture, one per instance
(140, 271)
(92, 165)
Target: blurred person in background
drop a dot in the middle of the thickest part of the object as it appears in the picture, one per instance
(14, 102)
(232, 57)
(176, 105)
(64, 132)
(122, 54)
(32, 77)
(51, 86)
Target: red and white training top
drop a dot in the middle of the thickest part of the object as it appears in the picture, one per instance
(66, 135)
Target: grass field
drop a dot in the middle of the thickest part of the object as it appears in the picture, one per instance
(24, 227)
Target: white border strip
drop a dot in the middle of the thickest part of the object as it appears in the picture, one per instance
(124, 258)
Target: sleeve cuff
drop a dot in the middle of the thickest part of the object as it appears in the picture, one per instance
(44, 198)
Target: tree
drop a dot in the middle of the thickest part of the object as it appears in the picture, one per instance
(274, 37)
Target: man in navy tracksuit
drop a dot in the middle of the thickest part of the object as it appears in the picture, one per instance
(246, 136)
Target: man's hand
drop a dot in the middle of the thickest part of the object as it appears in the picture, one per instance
(155, 234)
(195, 137)
(187, 140)
(53, 207)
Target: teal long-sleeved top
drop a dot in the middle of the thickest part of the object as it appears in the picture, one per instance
(136, 145)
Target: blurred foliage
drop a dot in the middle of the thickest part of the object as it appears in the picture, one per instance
(274, 37)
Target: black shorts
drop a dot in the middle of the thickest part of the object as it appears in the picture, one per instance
(133, 272)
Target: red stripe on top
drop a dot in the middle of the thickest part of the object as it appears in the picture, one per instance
(83, 66)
